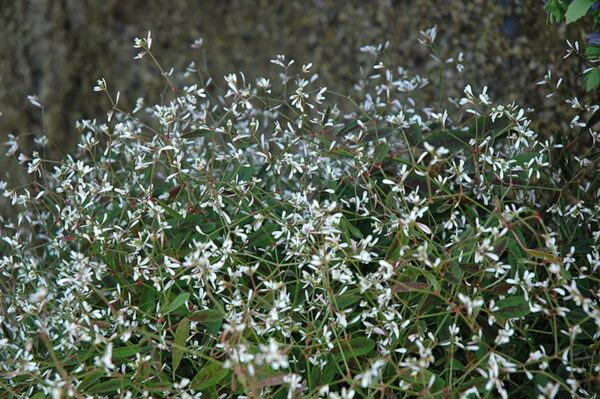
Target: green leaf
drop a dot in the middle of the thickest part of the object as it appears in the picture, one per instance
(263, 237)
(127, 351)
(346, 300)
(181, 335)
(454, 140)
(454, 274)
(513, 307)
(207, 316)
(431, 279)
(172, 212)
(176, 303)
(458, 139)
(350, 229)
(592, 51)
(209, 376)
(501, 245)
(110, 386)
(245, 173)
(414, 135)
(381, 152)
(196, 133)
(147, 299)
(326, 375)
(342, 153)
(356, 347)
(326, 115)
(90, 378)
(350, 126)
(577, 9)
(79, 357)
(158, 387)
(592, 79)
(555, 11)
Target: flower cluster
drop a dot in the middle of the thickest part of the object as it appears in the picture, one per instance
(265, 240)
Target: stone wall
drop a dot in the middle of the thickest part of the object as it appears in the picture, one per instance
(56, 49)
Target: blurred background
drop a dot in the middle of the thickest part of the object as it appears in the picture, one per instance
(56, 49)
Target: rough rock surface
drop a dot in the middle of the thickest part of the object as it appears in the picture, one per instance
(56, 49)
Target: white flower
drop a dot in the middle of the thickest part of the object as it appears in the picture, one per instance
(469, 303)
(35, 165)
(427, 37)
(504, 335)
(35, 101)
(143, 43)
(100, 85)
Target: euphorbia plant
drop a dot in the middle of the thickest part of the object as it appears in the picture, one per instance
(254, 240)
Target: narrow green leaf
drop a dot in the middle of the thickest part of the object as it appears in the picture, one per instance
(435, 284)
(381, 151)
(147, 299)
(196, 133)
(409, 286)
(158, 387)
(172, 212)
(454, 274)
(209, 376)
(176, 303)
(350, 126)
(90, 378)
(207, 316)
(414, 135)
(346, 300)
(181, 335)
(110, 386)
(351, 229)
(454, 140)
(342, 153)
(326, 115)
(356, 347)
(127, 351)
(501, 245)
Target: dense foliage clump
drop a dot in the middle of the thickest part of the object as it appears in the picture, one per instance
(256, 241)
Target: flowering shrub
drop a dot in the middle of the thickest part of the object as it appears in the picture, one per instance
(281, 240)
